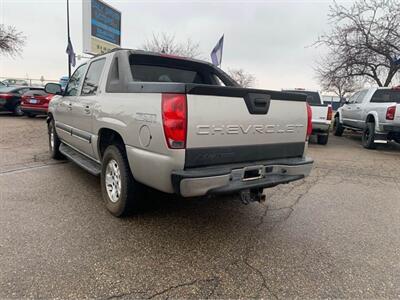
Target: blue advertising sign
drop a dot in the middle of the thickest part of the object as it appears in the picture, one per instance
(105, 22)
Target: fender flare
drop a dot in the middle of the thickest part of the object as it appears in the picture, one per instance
(373, 115)
(339, 115)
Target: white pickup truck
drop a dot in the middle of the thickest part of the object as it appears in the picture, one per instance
(177, 125)
(321, 114)
(375, 112)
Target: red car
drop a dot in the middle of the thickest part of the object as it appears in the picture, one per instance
(35, 102)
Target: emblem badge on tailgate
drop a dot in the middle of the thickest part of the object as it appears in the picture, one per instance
(246, 129)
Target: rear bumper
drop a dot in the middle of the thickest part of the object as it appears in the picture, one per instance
(226, 179)
(391, 128)
(34, 110)
(321, 126)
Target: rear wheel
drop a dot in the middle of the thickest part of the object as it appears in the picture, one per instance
(322, 139)
(337, 127)
(17, 110)
(119, 189)
(30, 115)
(54, 141)
(368, 136)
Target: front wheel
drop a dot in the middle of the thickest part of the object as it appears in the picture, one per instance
(119, 189)
(368, 136)
(18, 110)
(337, 127)
(54, 141)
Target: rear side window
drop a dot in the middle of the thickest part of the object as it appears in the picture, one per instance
(35, 93)
(383, 96)
(92, 79)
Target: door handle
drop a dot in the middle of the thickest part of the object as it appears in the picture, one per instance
(87, 109)
(70, 106)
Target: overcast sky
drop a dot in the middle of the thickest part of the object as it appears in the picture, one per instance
(270, 39)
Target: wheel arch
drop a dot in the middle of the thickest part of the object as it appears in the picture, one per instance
(106, 137)
(372, 117)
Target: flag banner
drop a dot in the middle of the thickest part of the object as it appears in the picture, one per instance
(71, 54)
(216, 53)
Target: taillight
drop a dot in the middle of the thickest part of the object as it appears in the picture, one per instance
(174, 112)
(48, 97)
(309, 121)
(329, 115)
(6, 96)
(391, 111)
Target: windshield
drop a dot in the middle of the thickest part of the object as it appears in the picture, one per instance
(384, 96)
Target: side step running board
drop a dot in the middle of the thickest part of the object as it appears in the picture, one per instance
(81, 160)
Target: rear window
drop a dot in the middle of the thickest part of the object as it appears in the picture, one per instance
(312, 97)
(35, 93)
(383, 96)
(152, 68)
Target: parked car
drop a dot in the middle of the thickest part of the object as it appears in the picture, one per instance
(15, 82)
(137, 118)
(321, 114)
(375, 112)
(10, 98)
(2, 84)
(35, 102)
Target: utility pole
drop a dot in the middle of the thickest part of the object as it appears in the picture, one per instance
(69, 41)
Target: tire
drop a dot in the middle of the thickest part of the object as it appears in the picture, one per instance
(119, 189)
(17, 110)
(368, 136)
(337, 127)
(322, 139)
(54, 141)
(30, 115)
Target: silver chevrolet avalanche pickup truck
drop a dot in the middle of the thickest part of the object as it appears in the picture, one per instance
(177, 125)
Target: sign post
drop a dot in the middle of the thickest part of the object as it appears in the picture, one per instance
(101, 27)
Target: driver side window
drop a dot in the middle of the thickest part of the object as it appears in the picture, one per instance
(353, 98)
(75, 81)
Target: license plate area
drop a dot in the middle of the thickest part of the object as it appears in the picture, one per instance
(33, 101)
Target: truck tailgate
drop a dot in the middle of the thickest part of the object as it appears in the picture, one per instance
(231, 125)
(397, 115)
(319, 113)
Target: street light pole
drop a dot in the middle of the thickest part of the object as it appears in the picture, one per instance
(68, 42)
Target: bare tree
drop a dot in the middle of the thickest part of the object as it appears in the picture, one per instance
(166, 43)
(243, 78)
(337, 83)
(11, 40)
(365, 41)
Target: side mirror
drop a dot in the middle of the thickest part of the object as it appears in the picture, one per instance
(53, 88)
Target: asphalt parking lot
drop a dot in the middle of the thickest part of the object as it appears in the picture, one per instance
(335, 234)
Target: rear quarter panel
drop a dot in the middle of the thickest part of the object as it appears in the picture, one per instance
(137, 118)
